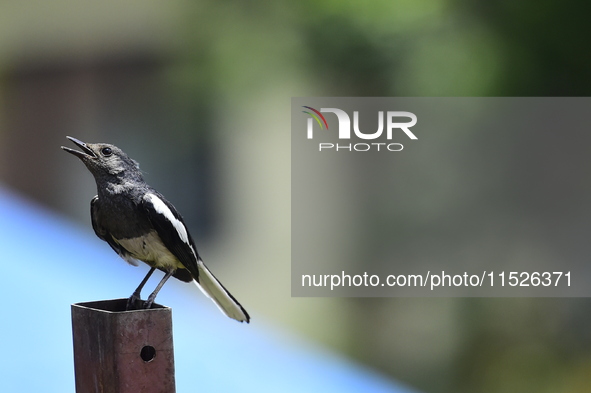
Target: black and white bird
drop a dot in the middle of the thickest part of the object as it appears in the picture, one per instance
(140, 224)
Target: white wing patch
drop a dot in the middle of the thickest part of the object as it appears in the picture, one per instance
(161, 208)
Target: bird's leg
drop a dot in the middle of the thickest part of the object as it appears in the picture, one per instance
(135, 297)
(152, 296)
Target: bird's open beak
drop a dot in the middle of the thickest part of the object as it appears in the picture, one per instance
(86, 151)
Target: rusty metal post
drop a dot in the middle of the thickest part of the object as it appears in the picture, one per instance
(118, 351)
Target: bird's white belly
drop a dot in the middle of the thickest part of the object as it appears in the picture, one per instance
(150, 249)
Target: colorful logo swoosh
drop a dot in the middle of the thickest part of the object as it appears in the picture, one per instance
(314, 114)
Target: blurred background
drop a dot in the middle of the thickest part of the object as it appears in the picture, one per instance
(199, 93)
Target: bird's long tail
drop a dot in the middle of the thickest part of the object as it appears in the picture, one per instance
(214, 289)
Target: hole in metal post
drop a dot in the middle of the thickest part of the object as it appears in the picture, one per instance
(148, 353)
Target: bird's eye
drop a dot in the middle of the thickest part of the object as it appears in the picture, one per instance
(106, 151)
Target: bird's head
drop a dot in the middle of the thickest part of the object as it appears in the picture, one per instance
(104, 160)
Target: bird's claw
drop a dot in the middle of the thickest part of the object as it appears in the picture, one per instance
(149, 302)
(133, 302)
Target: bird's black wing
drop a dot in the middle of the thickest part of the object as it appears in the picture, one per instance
(104, 234)
(172, 230)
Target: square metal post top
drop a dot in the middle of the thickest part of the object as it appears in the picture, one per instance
(122, 351)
